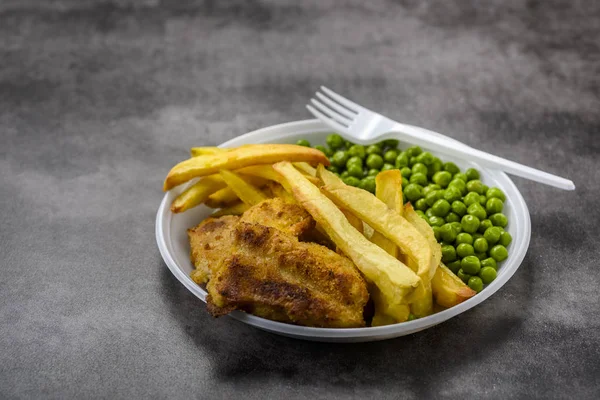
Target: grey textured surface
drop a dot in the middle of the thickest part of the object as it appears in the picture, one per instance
(99, 99)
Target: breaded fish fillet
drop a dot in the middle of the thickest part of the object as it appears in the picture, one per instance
(280, 214)
(271, 274)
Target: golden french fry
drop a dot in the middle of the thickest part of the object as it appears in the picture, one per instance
(198, 193)
(236, 209)
(222, 198)
(262, 171)
(238, 158)
(388, 190)
(244, 190)
(394, 279)
(277, 190)
(306, 168)
(448, 289)
(377, 214)
(201, 151)
(354, 220)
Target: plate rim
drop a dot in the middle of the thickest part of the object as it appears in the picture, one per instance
(163, 237)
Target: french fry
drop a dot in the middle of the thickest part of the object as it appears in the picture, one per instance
(305, 168)
(244, 190)
(198, 193)
(262, 171)
(377, 214)
(238, 158)
(278, 190)
(388, 190)
(222, 198)
(201, 151)
(395, 280)
(448, 289)
(236, 209)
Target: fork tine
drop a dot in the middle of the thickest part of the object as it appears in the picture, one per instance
(332, 122)
(342, 110)
(352, 106)
(332, 114)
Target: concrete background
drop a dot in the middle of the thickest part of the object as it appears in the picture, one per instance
(98, 99)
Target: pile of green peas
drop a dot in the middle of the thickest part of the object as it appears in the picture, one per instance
(465, 214)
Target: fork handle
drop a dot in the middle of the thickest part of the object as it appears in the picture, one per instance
(451, 148)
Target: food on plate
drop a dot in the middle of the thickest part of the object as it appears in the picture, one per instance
(238, 158)
(267, 271)
(242, 188)
(394, 279)
(309, 235)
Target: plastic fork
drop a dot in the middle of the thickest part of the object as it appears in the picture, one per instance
(363, 126)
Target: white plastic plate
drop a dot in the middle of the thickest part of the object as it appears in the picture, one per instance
(172, 240)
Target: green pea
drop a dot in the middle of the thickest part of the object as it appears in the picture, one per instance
(340, 158)
(448, 233)
(470, 264)
(464, 238)
(459, 208)
(414, 151)
(354, 161)
(486, 223)
(412, 161)
(499, 253)
(374, 161)
(442, 178)
(499, 219)
(475, 186)
(435, 167)
(418, 178)
(373, 172)
(425, 158)
(421, 214)
(463, 275)
(373, 149)
(475, 283)
(454, 266)
(322, 149)
(494, 205)
(482, 200)
(411, 317)
(481, 256)
(441, 208)
(471, 198)
(348, 144)
(333, 169)
(434, 220)
(469, 223)
(451, 168)
(433, 196)
(451, 217)
(419, 168)
(480, 245)
(477, 235)
(413, 192)
(351, 181)
(430, 187)
(406, 172)
(448, 253)
(387, 167)
(421, 204)
(357, 150)
(303, 142)
(492, 234)
(472, 174)
(485, 188)
(460, 176)
(452, 194)
(464, 250)
(477, 210)
(429, 213)
(344, 174)
(435, 229)
(494, 192)
(368, 184)
(458, 184)
(401, 160)
(457, 227)
(390, 156)
(487, 274)
(489, 262)
(355, 170)
(505, 239)
(334, 141)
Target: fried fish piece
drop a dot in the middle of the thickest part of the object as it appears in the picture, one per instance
(271, 274)
(280, 214)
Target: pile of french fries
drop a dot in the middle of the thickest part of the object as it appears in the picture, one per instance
(392, 246)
